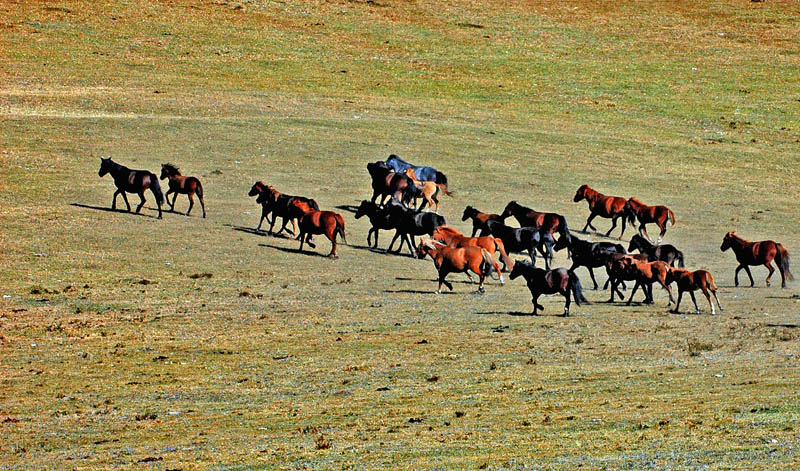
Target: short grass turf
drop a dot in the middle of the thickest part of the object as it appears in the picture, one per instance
(129, 342)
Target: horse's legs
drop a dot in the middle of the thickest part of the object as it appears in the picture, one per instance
(591, 275)
(566, 294)
(391, 244)
(613, 226)
(663, 227)
(191, 203)
(678, 302)
(771, 271)
(332, 238)
(114, 200)
(481, 279)
(302, 240)
(166, 198)
(258, 228)
(125, 199)
(474, 229)
(141, 197)
(533, 256)
(202, 205)
(715, 297)
(589, 222)
(174, 197)
(624, 224)
(534, 300)
(749, 275)
(643, 232)
(633, 291)
(694, 300)
(708, 298)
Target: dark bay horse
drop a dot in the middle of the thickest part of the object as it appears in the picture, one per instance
(131, 181)
(319, 222)
(379, 217)
(609, 207)
(279, 204)
(453, 238)
(757, 253)
(548, 223)
(520, 239)
(541, 282)
(188, 186)
(479, 219)
(665, 252)
(386, 182)
(423, 173)
(409, 223)
(635, 209)
(619, 271)
(458, 260)
(691, 281)
(587, 254)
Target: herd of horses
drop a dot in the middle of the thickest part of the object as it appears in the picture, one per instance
(400, 184)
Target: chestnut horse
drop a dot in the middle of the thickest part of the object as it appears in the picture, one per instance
(757, 253)
(184, 185)
(647, 273)
(453, 238)
(319, 222)
(429, 191)
(458, 260)
(649, 214)
(279, 204)
(691, 281)
(131, 181)
(479, 219)
(542, 281)
(386, 182)
(609, 207)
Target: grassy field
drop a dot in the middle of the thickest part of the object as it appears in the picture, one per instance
(183, 343)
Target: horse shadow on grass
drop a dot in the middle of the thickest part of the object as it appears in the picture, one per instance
(348, 207)
(434, 280)
(109, 210)
(505, 313)
(253, 231)
(294, 251)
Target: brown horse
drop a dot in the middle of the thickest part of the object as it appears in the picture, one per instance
(647, 273)
(188, 186)
(757, 253)
(453, 238)
(279, 204)
(649, 214)
(691, 281)
(548, 223)
(319, 222)
(429, 190)
(609, 207)
(457, 260)
(619, 271)
(386, 182)
(479, 219)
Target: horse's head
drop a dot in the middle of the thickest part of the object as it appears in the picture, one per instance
(563, 242)
(509, 209)
(426, 245)
(637, 243)
(444, 234)
(105, 167)
(256, 189)
(364, 208)
(377, 169)
(520, 268)
(727, 241)
(169, 170)
(581, 193)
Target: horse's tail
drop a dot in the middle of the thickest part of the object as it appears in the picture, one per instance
(577, 291)
(441, 178)
(710, 282)
(199, 189)
(409, 192)
(488, 264)
(782, 259)
(443, 189)
(671, 216)
(156, 188)
(680, 259)
(501, 247)
(339, 228)
(562, 226)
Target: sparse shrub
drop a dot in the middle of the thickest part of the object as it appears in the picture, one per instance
(695, 346)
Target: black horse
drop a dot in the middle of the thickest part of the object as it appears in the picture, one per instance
(664, 253)
(478, 219)
(280, 205)
(379, 217)
(428, 174)
(131, 181)
(560, 280)
(587, 254)
(387, 182)
(520, 239)
(410, 222)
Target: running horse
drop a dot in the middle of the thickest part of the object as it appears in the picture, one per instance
(423, 173)
(279, 204)
(548, 223)
(319, 222)
(453, 238)
(131, 181)
(387, 182)
(458, 260)
(609, 207)
(479, 219)
(560, 280)
(428, 190)
(691, 281)
(188, 186)
(635, 209)
(757, 253)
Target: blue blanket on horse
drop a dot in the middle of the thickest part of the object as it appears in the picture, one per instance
(428, 174)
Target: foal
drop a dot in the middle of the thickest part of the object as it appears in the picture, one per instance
(458, 260)
(691, 281)
(188, 186)
(757, 253)
(541, 282)
(429, 190)
(453, 238)
(648, 214)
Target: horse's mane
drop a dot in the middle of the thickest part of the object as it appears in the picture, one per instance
(635, 200)
(449, 230)
(171, 169)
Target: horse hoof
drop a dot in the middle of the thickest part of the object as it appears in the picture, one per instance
(437, 292)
